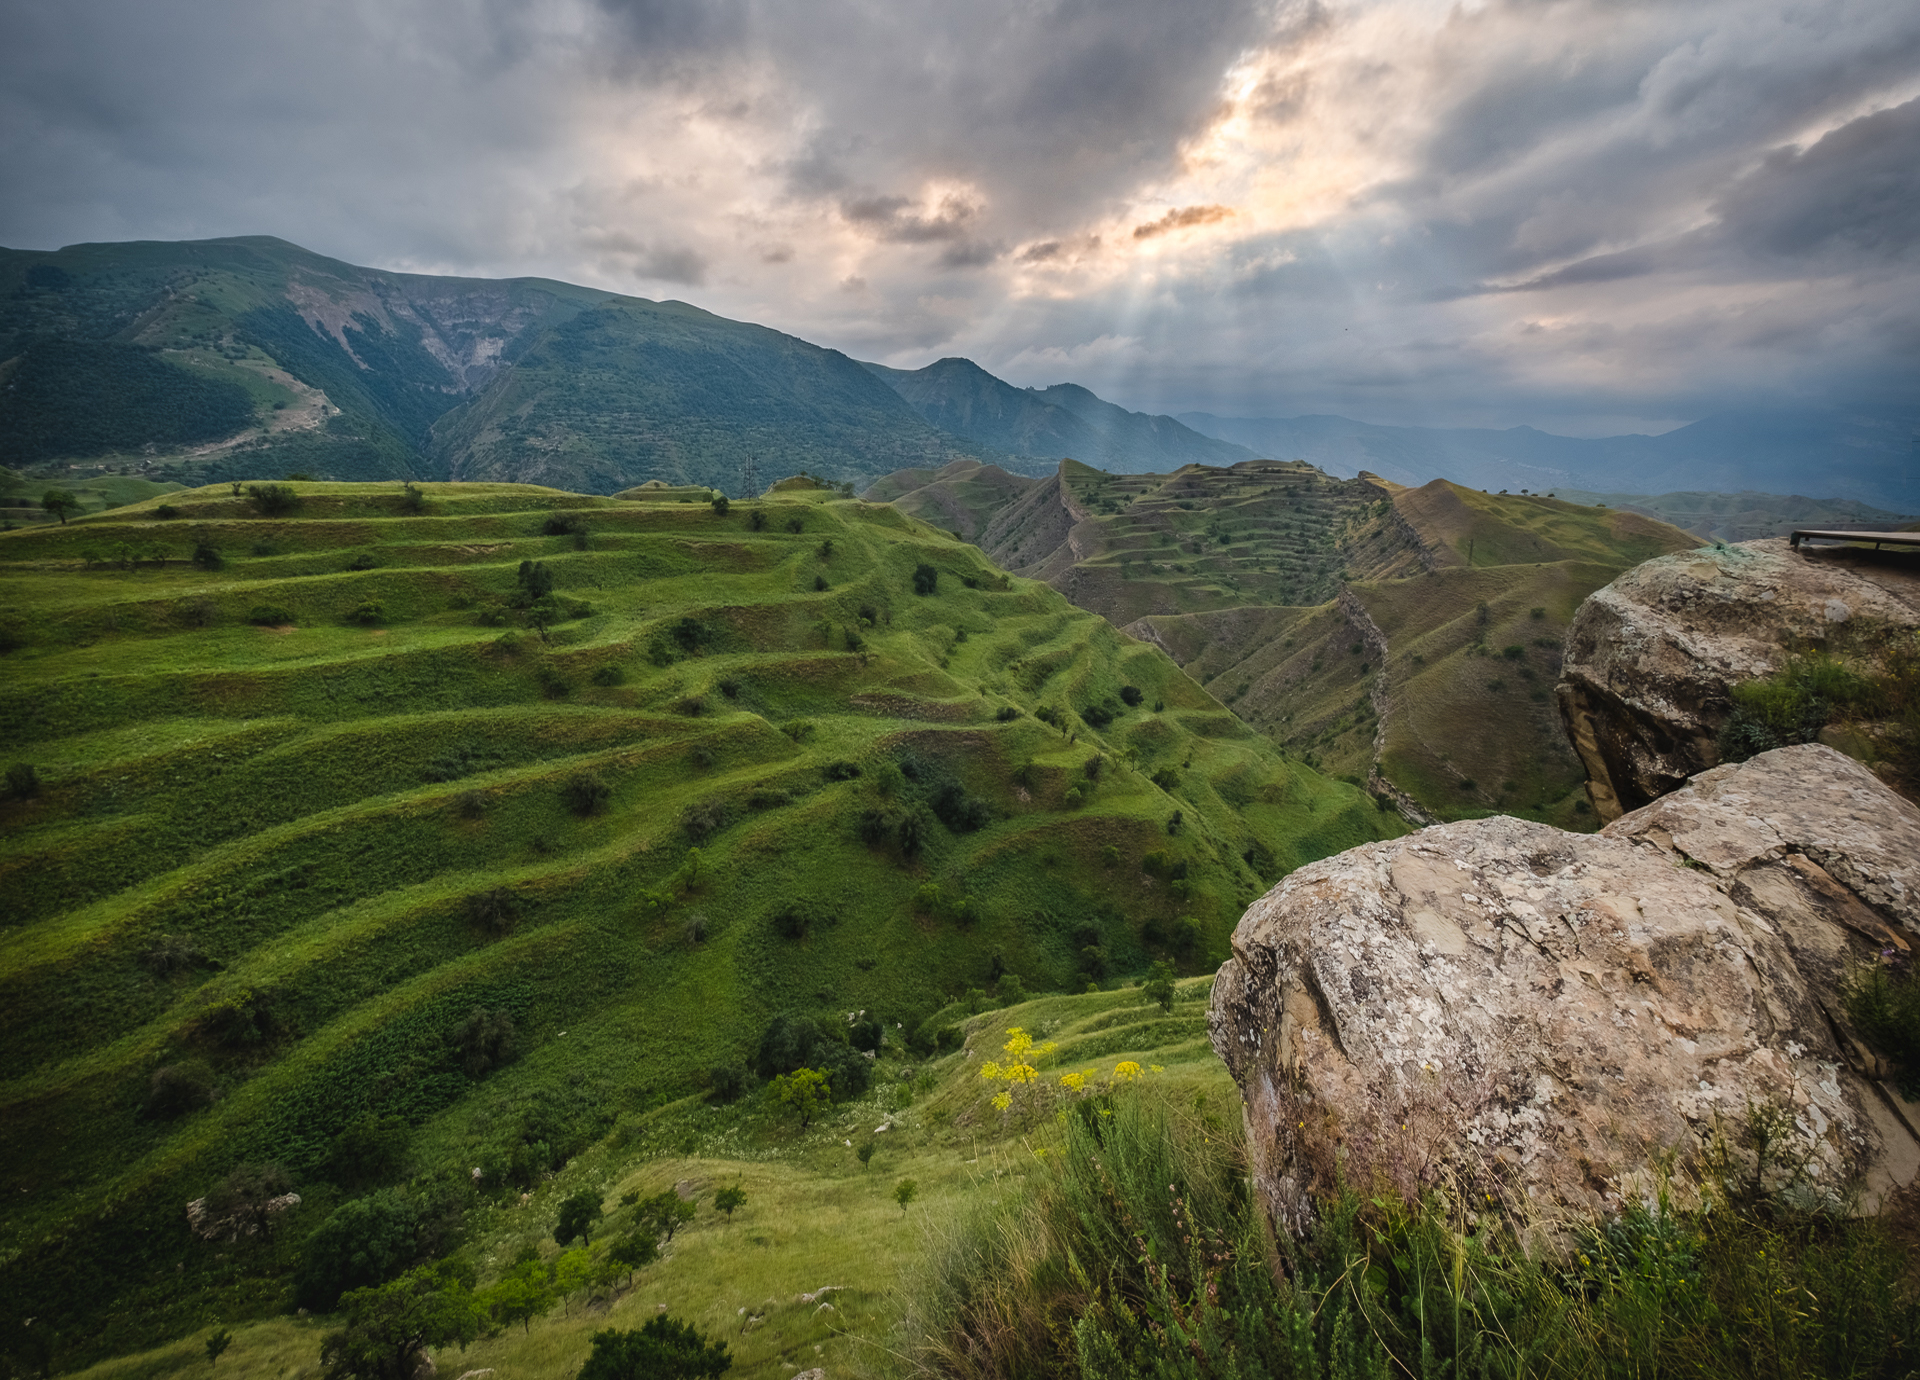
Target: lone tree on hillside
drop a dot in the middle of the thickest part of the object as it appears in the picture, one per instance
(665, 1213)
(926, 580)
(804, 1091)
(729, 1198)
(577, 1215)
(60, 503)
(905, 1192)
(390, 1326)
(664, 1349)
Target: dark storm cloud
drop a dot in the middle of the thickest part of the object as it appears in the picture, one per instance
(1500, 213)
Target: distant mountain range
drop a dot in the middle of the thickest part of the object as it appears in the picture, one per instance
(251, 357)
(1865, 454)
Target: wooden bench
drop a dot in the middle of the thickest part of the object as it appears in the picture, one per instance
(1877, 538)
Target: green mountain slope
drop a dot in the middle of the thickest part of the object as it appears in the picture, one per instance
(251, 357)
(353, 818)
(962, 497)
(1407, 638)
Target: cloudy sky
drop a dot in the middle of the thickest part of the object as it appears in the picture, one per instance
(1587, 215)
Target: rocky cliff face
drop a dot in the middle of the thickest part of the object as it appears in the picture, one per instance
(1651, 658)
(1536, 1018)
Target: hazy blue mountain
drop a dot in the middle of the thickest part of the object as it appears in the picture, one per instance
(1050, 424)
(1865, 454)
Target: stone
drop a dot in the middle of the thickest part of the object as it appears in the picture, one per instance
(1651, 658)
(1558, 1023)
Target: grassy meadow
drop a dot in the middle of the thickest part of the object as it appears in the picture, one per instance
(514, 817)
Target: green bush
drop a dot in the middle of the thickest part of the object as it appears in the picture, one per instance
(270, 615)
(23, 781)
(364, 1241)
(273, 500)
(176, 1089)
(663, 1349)
(926, 580)
(368, 613)
(586, 794)
(608, 675)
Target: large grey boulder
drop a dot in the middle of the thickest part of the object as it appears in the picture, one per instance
(1650, 658)
(1557, 1022)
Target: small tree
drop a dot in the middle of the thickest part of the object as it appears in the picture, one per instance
(387, 1328)
(207, 556)
(60, 503)
(217, 1344)
(926, 580)
(586, 794)
(905, 1192)
(519, 1296)
(571, 1272)
(865, 1154)
(720, 505)
(804, 1092)
(728, 1199)
(1160, 985)
(664, 1349)
(578, 1213)
(632, 1252)
(665, 1213)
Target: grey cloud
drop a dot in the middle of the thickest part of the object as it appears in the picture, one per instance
(1854, 193)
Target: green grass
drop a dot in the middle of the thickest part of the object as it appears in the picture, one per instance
(307, 809)
(814, 1216)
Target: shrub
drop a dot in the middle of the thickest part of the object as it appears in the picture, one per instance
(166, 512)
(608, 675)
(841, 771)
(820, 585)
(535, 579)
(484, 1042)
(562, 525)
(1006, 714)
(1098, 715)
(1167, 779)
(720, 505)
(867, 1033)
(757, 520)
(372, 1150)
(725, 1083)
(690, 635)
(176, 1089)
(663, 1349)
(270, 615)
(586, 794)
(926, 580)
(364, 1241)
(23, 781)
(273, 500)
(495, 910)
(1130, 695)
(705, 818)
(368, 613)
(800, 730)
(795, 919)
(207, 557)
(411, 499)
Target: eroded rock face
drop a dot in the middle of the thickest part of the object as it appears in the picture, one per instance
(1508, 1011)
(1651, 657)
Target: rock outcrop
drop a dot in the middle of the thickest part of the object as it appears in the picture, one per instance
(1651, 657)
(1553, 1020)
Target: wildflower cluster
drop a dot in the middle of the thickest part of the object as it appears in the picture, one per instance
(1020, 1050)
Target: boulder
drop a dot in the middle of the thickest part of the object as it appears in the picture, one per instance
(1560, 1023)
(1651, 657)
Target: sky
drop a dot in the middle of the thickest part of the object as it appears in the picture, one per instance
(1590, 216)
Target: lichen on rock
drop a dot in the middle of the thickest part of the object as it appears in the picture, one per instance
(1553, 1022)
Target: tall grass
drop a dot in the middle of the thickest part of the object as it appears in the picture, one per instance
(1141, 1253)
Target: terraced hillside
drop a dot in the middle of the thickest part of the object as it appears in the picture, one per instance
(485, 814)
(1403, 638)
(820, 1222)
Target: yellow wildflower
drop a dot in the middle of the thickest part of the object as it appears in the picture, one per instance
(1126, 1071)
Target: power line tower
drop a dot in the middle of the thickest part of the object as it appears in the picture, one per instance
(752, 480)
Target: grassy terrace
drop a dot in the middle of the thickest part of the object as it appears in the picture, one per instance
(301, 812)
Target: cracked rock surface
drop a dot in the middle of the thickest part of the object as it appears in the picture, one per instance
(1650, 658)
(1551, 1021)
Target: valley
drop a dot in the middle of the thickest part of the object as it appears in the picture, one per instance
(499, 814)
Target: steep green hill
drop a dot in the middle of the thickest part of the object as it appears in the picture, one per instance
(251, 357)
(503, 811)
(1405, 638)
